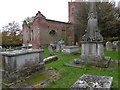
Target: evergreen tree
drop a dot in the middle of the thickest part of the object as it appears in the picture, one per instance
(107, 22)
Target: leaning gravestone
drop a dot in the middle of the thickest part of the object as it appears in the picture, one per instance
(50, 50)
(50, 59)
(109, 46)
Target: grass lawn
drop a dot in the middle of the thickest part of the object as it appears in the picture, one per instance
(69, 75)
(0, 62)
(113, 54)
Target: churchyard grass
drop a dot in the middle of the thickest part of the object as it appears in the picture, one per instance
(113, 54)
(47, 54)
(69, 75)
(0, 64)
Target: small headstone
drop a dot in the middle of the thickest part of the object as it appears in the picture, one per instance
(62, 42)
(77, 43)
(118, 46)
(62, 47)
(50, 50)
(109, 46)
(114, 44)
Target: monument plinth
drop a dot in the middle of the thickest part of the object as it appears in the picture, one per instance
(92, 42)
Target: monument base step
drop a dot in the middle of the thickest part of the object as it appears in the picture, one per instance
(81, 63)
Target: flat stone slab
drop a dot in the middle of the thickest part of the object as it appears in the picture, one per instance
(82, 63)
(91, 82)
(71, 47)
(20, 52)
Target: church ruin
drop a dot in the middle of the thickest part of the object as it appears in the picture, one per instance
(41, 31)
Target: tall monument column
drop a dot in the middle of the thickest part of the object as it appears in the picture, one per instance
(92, 41)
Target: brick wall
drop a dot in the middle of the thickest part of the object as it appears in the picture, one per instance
(73, 12)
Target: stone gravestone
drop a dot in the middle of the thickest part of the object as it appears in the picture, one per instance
(58, 48)
(114, 44)
(62, 44)
(109, 46)
(118, 46)
(50, 50)
(77, 44)
(62, 47)
(0, 48)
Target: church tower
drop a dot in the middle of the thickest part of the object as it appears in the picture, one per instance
(73, 11)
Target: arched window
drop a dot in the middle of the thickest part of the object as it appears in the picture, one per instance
(29, 35)
(52, 32)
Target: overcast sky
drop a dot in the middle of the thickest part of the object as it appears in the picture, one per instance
(18, 10)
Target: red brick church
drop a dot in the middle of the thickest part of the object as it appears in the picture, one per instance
(42, 31)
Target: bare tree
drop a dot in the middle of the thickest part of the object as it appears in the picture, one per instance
(11, 27)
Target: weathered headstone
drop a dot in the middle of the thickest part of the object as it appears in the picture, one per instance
(58, 48)
(62, 47)
(50, 50)
(77, 43)
(118, 46)
(114, 44)
(62, 42)
(109, 46)
(0, 48)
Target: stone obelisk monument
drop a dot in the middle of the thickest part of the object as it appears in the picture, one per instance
(92, 41)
